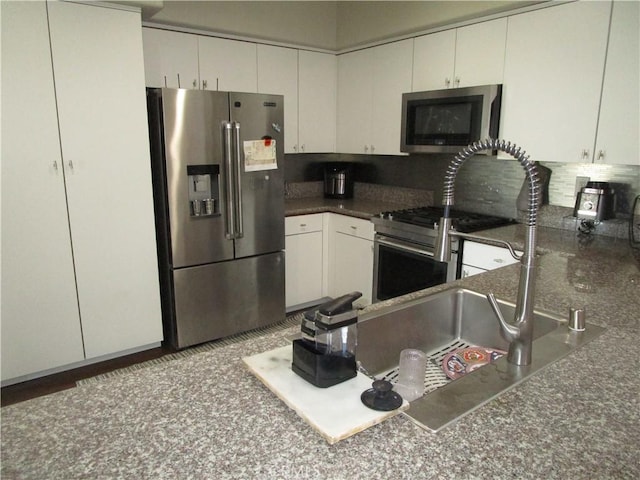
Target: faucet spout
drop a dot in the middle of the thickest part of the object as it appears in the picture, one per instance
(519, 332)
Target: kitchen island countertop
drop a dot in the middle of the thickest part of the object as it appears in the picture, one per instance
(205, 416)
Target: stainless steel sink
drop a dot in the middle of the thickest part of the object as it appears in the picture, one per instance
(448, 320)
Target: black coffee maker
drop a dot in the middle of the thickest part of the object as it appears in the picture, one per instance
(326, 353)
(338, 180)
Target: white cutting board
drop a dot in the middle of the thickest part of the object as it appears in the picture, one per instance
(335, 412)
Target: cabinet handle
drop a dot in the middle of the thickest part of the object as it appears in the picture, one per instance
(303, 225)
(457, 81)
(366, 148)
(585, 154)
(55, 165)
(601, 154)
(373, 148)
(165, 81)
(204, 84)
(295, 148)
(178, 80)
(447, 82)
(195, 83)
(302, 148)
(498, 260)
(70, 164)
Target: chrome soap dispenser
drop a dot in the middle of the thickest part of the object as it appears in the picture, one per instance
(326, 353)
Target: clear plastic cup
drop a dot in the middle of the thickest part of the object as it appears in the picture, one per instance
(410, 384)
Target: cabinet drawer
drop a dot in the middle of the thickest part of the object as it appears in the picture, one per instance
(303, 224)
(357, 227)
(486, 257)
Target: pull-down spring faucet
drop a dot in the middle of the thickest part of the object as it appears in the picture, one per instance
(520, 331)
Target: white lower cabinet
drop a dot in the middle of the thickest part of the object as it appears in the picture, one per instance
(350, 257)
(79, 268)
(304, 259)
(478, 258)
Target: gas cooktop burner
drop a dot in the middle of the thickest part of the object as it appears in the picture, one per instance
(465, 222)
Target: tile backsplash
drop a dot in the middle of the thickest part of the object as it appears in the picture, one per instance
(484, 183)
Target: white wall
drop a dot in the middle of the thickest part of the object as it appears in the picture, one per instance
(327, 25)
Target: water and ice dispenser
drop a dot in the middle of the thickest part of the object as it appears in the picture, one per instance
(326, 353)
(204, 190)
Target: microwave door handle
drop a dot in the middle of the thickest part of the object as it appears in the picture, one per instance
(238, 175)
(228, 184)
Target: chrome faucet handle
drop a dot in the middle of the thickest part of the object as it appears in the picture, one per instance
(511, 332)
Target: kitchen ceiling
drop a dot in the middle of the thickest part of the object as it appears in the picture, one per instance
(326, 25)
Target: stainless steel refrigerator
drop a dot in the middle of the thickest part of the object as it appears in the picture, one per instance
(217, 162)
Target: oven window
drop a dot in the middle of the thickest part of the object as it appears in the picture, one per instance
(401, 272)
(444, 121)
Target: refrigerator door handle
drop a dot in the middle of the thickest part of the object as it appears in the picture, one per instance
(230, 219)
(238, 174)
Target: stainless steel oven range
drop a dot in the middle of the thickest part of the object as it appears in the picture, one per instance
(404, 246)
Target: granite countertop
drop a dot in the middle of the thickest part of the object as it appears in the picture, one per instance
(206, 416)
(368, 200)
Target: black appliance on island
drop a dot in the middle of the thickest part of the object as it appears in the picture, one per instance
(404, 247)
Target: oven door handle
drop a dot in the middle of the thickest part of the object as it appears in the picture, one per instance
(403, 246)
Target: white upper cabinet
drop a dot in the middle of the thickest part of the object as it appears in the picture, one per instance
(618, 127)
(317, 92)
(552, 81)
(462, 57)
(183, 60)
(278, 74)
(434, 61)
(227, 65)
(355, 97)
(170, 59)
(370, 87)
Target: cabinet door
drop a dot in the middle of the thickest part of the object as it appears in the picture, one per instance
(40, 321)
(278, 74)
(480, 53)
(170, 58)
(552, 80)
(228, 65)
(105, 149)
(433, 61)
(618, 127)
(391, 73)
(317, 96)
(355, 107)
(486, 257)
(352, 267)
(303, 271)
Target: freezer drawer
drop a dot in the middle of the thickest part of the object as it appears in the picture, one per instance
(220, 299)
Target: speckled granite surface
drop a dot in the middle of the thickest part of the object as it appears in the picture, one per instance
(207, 417)
(368, 199)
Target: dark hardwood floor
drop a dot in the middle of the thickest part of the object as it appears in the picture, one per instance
(64, 380)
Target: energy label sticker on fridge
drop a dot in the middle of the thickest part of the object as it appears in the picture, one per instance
(260, 155)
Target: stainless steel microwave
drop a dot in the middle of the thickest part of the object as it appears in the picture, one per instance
(450, 119)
